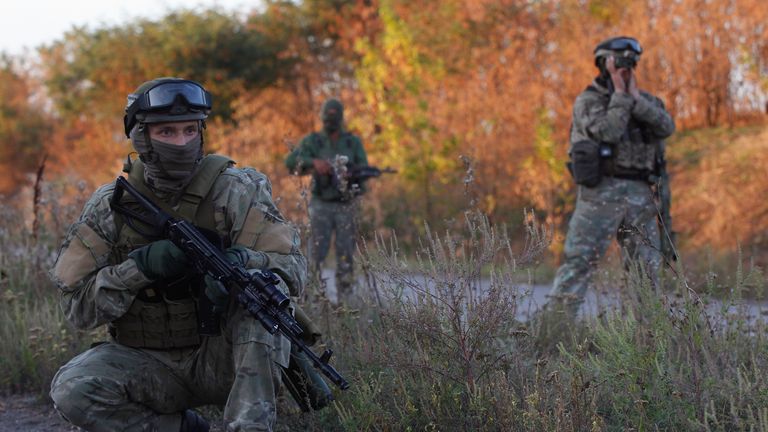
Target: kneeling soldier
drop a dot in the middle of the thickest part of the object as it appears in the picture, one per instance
(116, 270)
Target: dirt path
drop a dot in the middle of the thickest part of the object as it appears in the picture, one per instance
(26, 413)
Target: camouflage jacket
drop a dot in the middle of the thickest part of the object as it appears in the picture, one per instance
(98, 287)
(318, 145)
(602, 116)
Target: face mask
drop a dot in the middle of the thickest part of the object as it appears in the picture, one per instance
(168, 167)
(331, 124)
(332, 115)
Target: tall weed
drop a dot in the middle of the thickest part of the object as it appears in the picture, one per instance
(434, 344)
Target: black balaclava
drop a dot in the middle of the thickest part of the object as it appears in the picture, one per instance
(604, 77)
(332, 121)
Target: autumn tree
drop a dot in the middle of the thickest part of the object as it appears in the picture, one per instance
(470, 101)
(24, 128)
(89, 72)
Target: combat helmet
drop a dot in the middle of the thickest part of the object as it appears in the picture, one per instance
(626, 49)
(166, 100)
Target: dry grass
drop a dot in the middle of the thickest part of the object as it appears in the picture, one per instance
(434, 344)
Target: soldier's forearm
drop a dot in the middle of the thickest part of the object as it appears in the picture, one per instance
(656, 117)
(103, 297)
(291, 267)
(609, 125)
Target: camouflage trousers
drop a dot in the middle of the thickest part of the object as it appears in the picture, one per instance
(616, 207)
(327, 217)
(112, 387)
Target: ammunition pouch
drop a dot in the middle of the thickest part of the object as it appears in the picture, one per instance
(585, 163)
(158, 323)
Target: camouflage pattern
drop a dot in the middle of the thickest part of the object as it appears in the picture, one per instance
(328, 210)
(603, 116)
(114, 387)
(325, 218)
(318, 145)
(618, 207)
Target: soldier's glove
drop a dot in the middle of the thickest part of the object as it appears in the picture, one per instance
(240, 255)
(191, 421)
(216, 291)
(161, 259)
(322, 166)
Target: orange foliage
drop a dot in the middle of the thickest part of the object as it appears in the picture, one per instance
(721, 195)
(427, 83)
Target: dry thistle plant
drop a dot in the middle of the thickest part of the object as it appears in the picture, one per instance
(448, 314)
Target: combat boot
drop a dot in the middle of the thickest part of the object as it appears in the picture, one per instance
(191, 421)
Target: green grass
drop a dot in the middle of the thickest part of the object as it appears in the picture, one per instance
(457, 361)
(36, 338)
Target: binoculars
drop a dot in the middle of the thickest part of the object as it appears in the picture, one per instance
(625, 62)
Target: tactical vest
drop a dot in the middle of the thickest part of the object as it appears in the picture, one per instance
(635, 155)
(636, 152)
(165, 314)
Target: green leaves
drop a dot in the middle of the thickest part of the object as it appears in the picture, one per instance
(89, 72)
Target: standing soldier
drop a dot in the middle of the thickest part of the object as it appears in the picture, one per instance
(617, 159)
(114, 269)
(327, 155)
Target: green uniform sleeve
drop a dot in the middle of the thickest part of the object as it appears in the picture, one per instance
(246, 213)
(93, 292)
(360, 158)
(299, 160)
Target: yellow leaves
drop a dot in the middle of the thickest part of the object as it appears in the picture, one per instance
(489, 203)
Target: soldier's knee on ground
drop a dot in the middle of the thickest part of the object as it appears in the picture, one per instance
(71, 398)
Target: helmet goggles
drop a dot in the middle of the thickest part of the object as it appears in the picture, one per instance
(621, 44)
(163, 96)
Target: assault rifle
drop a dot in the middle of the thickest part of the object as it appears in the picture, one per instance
(359, 173)
(348, 179)
(256, 292)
